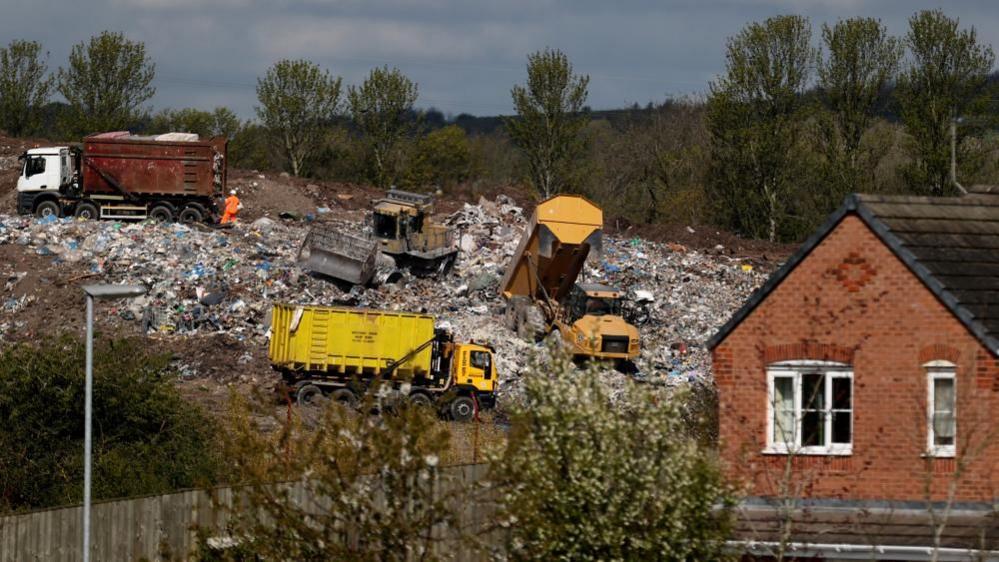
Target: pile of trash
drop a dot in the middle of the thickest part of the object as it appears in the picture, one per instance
(202, 280)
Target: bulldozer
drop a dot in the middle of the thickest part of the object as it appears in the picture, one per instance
(401, 229)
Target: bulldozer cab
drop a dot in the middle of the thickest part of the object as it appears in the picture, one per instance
(593, 299)
(399, 217)
(400, 222)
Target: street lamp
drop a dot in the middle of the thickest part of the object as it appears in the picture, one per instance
(95, 292)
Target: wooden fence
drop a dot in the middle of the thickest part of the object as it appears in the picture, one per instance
(148, 528)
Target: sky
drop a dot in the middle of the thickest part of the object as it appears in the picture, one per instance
(464, 55)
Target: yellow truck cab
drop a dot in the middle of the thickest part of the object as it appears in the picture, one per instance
(339, 352)
(597, 328)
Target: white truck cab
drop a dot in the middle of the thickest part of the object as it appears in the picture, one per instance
(43, 173)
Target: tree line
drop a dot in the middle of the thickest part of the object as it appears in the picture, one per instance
(773, 146)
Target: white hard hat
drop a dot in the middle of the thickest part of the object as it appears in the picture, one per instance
(233, 192)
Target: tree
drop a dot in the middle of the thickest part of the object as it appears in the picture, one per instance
(24, 86)
(188, 120)
(373, 485)
(107, 81)
(147, 438)
(225, 123)
(753, 117)
(382, 109)
(206, 124)
(862, 62)
(945, 81)
(442, 158)
(588, 477)
(550, 118)
(298, 102)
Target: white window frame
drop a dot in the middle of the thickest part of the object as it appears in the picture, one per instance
(939, 370)
(795, 370)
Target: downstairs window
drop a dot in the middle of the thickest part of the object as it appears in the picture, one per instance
(810, 408)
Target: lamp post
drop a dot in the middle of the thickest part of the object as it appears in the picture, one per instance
(95, 292)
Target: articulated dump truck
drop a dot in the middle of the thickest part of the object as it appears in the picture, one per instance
(542, 296)
(339, 352)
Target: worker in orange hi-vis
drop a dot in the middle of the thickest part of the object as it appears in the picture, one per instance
(232, 206)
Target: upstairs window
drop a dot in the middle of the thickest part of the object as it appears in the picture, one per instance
(810, 409)
(941, 408)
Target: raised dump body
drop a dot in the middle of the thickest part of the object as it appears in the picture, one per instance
(339, 351)
(540, 283)
(553, 249)
(331, 252)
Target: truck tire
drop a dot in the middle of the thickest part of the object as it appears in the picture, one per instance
(87, 210)
(46, 208)
(421, 400)
(557, 342)
(515, 311)
(161, 213)
(308, 395)
(191, 215)
(344, 396)
(461, 408)
(532, 326)
(510, 316)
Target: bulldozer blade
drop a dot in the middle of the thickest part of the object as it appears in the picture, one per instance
(337, 254)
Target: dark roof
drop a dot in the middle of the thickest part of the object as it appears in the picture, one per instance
(950, 243)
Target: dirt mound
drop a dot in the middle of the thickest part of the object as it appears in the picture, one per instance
(704, 238)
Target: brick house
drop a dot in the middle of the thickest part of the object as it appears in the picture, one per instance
(859, 386)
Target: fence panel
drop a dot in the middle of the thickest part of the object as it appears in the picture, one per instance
(157, 526)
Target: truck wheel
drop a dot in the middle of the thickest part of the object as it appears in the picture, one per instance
(309, 395)
(556, 340)
(161, 213)
(462, 408)
(344, 396)
(191, 215)
(46, 208)
(421, 400)
(87, 211)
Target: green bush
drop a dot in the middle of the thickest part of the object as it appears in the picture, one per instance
(588, 475)
(147, 439)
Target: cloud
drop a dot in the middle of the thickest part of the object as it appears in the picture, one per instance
(366, 39)
(465, 55)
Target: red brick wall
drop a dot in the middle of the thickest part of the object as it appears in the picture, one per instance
(851, 300)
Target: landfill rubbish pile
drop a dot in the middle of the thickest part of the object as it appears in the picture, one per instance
(204, 281)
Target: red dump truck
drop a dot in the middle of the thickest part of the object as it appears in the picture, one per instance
(119, 176)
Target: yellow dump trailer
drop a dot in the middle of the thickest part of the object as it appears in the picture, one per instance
(339, 351)
(349, 341)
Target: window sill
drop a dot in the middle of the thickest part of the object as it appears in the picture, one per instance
(809, 453)
(938, 455)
